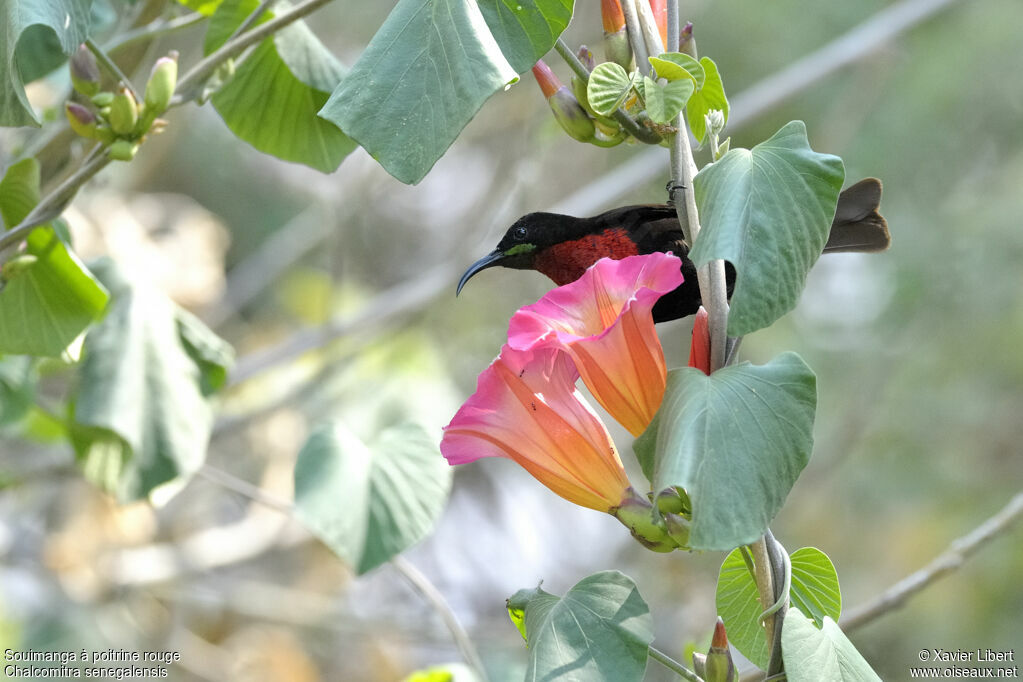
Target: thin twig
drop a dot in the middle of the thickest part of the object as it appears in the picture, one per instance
(673, 665)
(112, 68)
(155, 29)
(252, 18)
(951, 559)
(54, 203)
(429, 592)
(781, 568)
(638, 131)
(765, 583)
(420, 583)
(191, 83)
(632, 25)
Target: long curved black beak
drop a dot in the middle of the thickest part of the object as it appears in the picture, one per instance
(491, 259)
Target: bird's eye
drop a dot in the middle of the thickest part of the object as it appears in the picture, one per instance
(521, 231)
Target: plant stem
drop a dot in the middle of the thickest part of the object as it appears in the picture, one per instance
(155, 29)
(191, 83)
(627, 122)
(252, 18)
(674, 666)
(52, 204)
(765, 583)
(632, 25)
(419, 582)
(112, 68)
(781, 574)
(428, 591)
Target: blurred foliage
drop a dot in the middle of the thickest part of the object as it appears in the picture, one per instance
(920, 378)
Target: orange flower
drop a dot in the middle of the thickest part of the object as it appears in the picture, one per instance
(527, 408)
(603, 321)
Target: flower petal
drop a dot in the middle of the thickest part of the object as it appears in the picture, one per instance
(603, 321)
(526, 408)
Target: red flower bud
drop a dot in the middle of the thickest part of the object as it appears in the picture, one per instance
(699, 349)
(567, 110)
(612, 15)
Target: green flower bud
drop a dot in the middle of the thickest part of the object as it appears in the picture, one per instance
(686, 42)
(636, 514)
(124, 112)
(82, 121)
(103, 99)
(570, 114)
(162, 82)
(618, 49)
(123, 150)
(678, 529)
(669, 501)
(84, 71)
(719, 666)
(17, 266)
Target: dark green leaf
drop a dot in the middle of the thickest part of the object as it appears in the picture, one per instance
(600, 630)
(370, 503)
(68, 20)
(815, 589)
(677, 65)
(663, 103)
(710, 95)
(273, 99)
(47, 303)
(17, 388)
(429, 69)
(738, 603)
(811, 655)
(768, 211)
(736, 441)
(141, 418)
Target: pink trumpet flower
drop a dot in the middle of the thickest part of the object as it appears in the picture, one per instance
(527, 408)
(603, 321)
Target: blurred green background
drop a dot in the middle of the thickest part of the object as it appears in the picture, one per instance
(917, 353)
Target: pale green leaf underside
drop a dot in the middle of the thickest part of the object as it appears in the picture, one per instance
(69, 22)
(600, 630)
(815, 590)
(429, 69)
(141, 418)
(811, 655)
(709, 95)
(370, 503)
(768, 211)
(736, 441)
(738, 603)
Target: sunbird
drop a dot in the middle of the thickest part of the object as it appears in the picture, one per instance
(563, 246)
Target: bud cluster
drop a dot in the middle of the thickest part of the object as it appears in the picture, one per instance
(660, 524)
(117, 118)
(571, 105)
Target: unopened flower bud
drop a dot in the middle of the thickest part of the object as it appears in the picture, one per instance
(669, 501)
(686, 42)
(82, 121)
(586, 57)
(84, 71)
(700, 664)
(162, 82)
(569, 114)
(617, 48)
(715, 121)
(123, 150)
(636, 514)
(124, 112)
(103, 99)
(719, 666)
(659, 8)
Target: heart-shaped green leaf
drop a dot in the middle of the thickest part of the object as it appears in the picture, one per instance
(815, 589)
(736, 441)
(738, 603)
(370, 503)
(600, 630)
(710, 95)
(429, 69)
(273, 99)
(675, 66)
(68, 20)
(768, 211)
(608, 88)
(663, 103)
(811, 655)
(50, 300)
